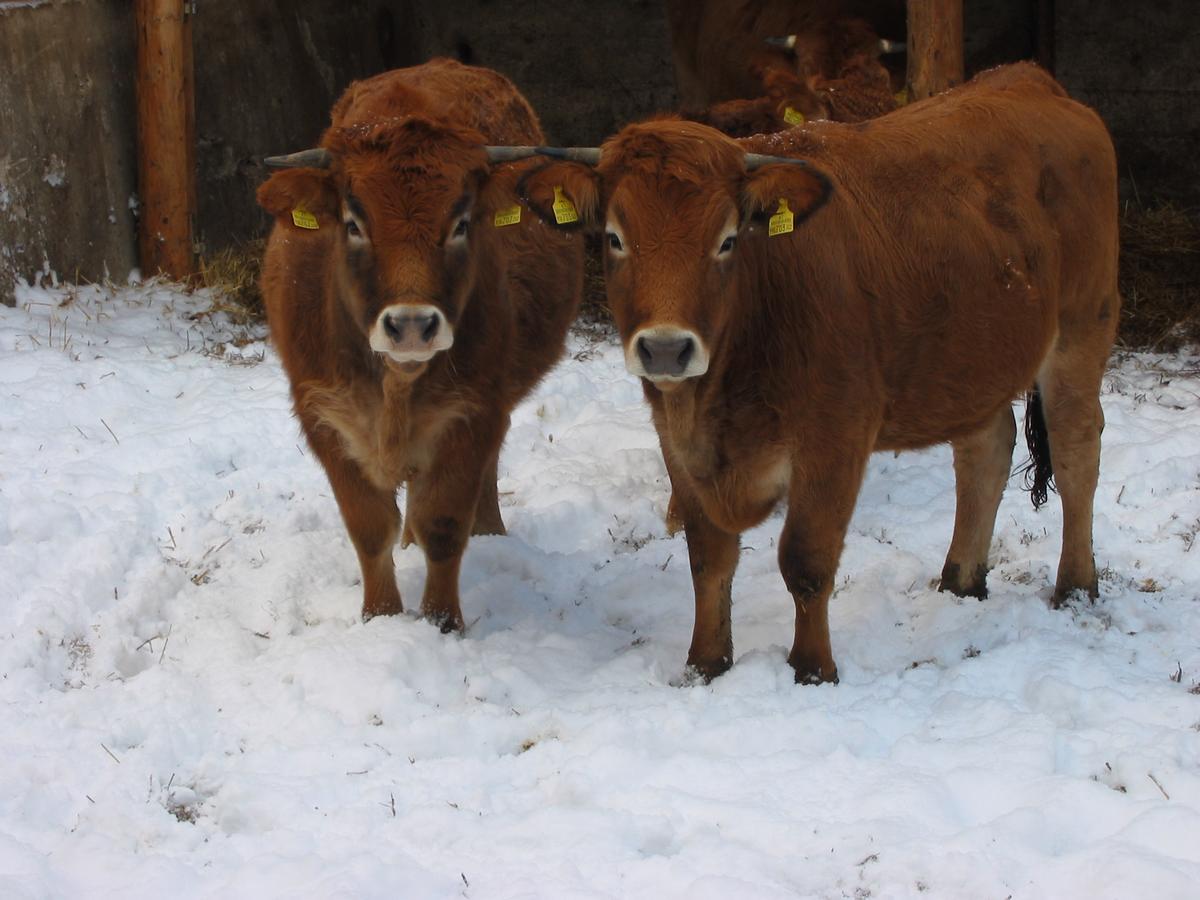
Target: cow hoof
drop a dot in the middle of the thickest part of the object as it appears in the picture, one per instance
(954, 582)
(816, 674)
(1062, 597)
(704, 673)
(369, 612)
(447, 623)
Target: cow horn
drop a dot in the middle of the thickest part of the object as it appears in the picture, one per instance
(886, 46)
(587, 155)
(509, 154)
(757, 160)
(317, 158)
(787, 42)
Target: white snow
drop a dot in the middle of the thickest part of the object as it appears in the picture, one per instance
(190, 706)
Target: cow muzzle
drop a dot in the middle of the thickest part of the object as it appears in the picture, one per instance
(409, 333)
(667, 354)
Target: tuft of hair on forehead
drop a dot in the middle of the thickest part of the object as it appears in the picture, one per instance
(409, 142)
(688, 152)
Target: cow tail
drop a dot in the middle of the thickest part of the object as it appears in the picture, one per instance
(1038, 471)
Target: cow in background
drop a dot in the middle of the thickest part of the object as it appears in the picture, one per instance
(413, 305)
(794, 302)
(760, 67)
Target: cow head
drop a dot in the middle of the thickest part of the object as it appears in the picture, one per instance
(396, 199)
(681, 206)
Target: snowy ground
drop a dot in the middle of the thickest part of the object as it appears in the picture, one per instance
(190, 706)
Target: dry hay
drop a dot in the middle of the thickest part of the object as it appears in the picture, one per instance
(231, 275)
(1159, 277)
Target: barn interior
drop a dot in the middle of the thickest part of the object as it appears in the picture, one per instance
(266, 73)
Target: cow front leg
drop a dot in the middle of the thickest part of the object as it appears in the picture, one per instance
(981, 465)
(372, 520)
(713, 555)
(820, 503)
(441, 507)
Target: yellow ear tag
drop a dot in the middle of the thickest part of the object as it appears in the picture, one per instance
(510, 216)
(783, 221)
(902, 97)
(564, 209)
(302, 218)
(793, 116)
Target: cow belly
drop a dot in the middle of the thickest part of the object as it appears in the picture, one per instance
(955, 392)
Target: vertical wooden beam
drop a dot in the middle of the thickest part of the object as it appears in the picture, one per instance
(166, 148)
(935, 46)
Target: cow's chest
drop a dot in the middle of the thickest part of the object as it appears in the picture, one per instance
(392, 434)
(738, 469)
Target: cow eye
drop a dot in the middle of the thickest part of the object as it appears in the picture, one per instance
(614, 242)
(352, 229)
(727, 245)
(461, 227)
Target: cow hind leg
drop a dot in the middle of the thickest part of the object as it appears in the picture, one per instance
(981, 466)
(1070, 386)
(487, 513)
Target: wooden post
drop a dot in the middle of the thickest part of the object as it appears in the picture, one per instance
(166, 145)
(935, 46)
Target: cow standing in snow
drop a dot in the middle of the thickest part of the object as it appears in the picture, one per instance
(883, 286)
(413, 306)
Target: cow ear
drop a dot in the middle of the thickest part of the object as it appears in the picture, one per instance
(563, 194)
(784, 189)
(301, 198)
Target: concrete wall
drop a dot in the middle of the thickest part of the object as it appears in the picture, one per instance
(67, 173)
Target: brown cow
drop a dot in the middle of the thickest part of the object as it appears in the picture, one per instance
(714, 43)
(952, 256)
(834, 72)
(409, 317)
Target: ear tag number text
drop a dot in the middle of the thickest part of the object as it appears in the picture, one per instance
(302, 218)
(783, 221)
(509, 216)
(564, 209)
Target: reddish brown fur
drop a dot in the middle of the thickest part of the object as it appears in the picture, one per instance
(729, 78)
(967, 252)
(408, 144)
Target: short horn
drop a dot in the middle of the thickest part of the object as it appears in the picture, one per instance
(317, 158)
(886, 46)
(758, 160)
(509, 154)
(587, 155)
(788, 42)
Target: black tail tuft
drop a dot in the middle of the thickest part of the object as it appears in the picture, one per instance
(1038, 471)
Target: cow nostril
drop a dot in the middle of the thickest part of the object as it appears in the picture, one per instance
(430, 329)
(644, 352)
(665, 356)
(685, 353)
(392, 328)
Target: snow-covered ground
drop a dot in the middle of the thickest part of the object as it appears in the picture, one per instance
(190, 706)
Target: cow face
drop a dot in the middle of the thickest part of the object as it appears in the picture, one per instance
(679, 210)
(396, 204)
